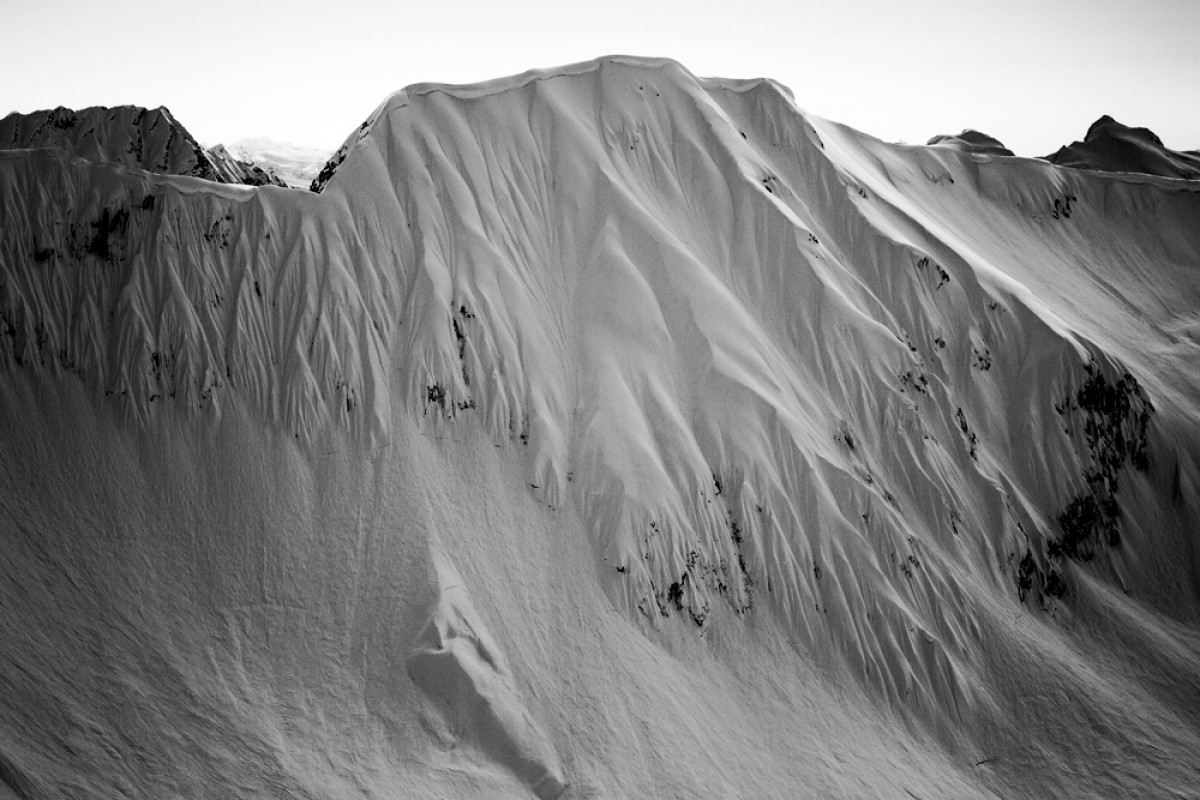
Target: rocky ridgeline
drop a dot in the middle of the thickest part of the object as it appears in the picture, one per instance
(149, 139)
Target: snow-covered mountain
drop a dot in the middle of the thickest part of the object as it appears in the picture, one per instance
(971, 141)
(149, 139)
(1110, 146)
(600, 432)
(297, 166)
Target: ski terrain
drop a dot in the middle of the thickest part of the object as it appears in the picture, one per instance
(600, 432)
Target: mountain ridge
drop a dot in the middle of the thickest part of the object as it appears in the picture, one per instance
(762, 374)
(131, 136)
(1110, 146)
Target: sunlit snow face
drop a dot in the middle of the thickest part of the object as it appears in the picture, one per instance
(1034, 76)
(600, 431)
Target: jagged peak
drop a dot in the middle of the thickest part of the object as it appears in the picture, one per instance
(133, 136)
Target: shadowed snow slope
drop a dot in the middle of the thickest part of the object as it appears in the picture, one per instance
(1112, 147)
(131, 136)
(600, 432)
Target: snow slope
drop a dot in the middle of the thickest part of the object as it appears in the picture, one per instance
(600, 432)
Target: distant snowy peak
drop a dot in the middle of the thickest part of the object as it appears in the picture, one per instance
(1110, 146)
(971, 141)
(149, 139)
(232, 169)
(295, 165)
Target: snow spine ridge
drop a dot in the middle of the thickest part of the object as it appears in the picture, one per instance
(151, 295)
(590, 339)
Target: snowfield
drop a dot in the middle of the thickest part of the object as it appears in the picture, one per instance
(601, 432)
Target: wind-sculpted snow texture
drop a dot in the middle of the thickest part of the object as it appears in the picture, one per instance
(600, 432)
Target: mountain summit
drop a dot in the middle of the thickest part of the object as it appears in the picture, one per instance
(1110, 146)
(600, 432)
(971, 141)
(149, 139)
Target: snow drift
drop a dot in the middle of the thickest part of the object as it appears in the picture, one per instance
(600, 432)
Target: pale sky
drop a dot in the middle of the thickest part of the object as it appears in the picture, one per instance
(1033, 73)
